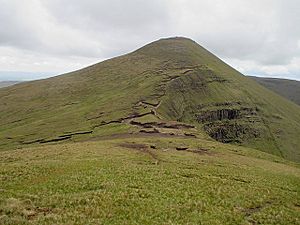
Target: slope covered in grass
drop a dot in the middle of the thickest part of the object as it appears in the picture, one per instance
(289, 89)
(126, 181)
(170, 87)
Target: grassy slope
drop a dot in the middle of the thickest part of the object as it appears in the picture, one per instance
(105, 183)
(289, 89)
(110, 90)
(50, 107)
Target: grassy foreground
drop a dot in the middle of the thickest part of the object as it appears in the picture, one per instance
(125, 181)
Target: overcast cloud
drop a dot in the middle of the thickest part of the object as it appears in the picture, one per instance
(258, 37)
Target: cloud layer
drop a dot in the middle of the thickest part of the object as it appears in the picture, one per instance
(260, 37)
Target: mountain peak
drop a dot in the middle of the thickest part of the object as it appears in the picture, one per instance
(173, 48)
(171, 41)
(176, 38)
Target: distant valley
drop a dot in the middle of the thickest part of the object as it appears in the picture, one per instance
(289, 89)
(8, 83)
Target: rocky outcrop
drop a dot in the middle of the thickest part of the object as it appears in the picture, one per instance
(221, 114)
(225, 114)
(229, 121)
(228, 132)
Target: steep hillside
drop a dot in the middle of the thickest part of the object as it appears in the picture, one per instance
(171, 87)
(289, 89)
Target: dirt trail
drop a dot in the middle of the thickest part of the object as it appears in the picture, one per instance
(153, 106)
(134, 135)
(130, 119)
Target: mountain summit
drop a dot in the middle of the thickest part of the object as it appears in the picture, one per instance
(171, 87)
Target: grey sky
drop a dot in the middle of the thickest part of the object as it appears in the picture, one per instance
(39, 38)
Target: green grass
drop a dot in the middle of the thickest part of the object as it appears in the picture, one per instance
(105, 183)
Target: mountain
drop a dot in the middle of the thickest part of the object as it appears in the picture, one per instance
(167, 134)
(7, 83)
(168, 87)
(289, 89)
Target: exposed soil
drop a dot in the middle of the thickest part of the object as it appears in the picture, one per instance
(181, 148)
(141, 147)
(154, 131)
(38, 212)
(77, 133)
(252, 210)
(162, 125)
(55, 139)
(190, 135)
(200, 151)
(134, 135)
(134, 145)
(124, 119)
(150, 104)
(31, 142)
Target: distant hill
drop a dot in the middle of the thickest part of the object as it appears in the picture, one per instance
(289, 89)
(169, 87)
(7, 83)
